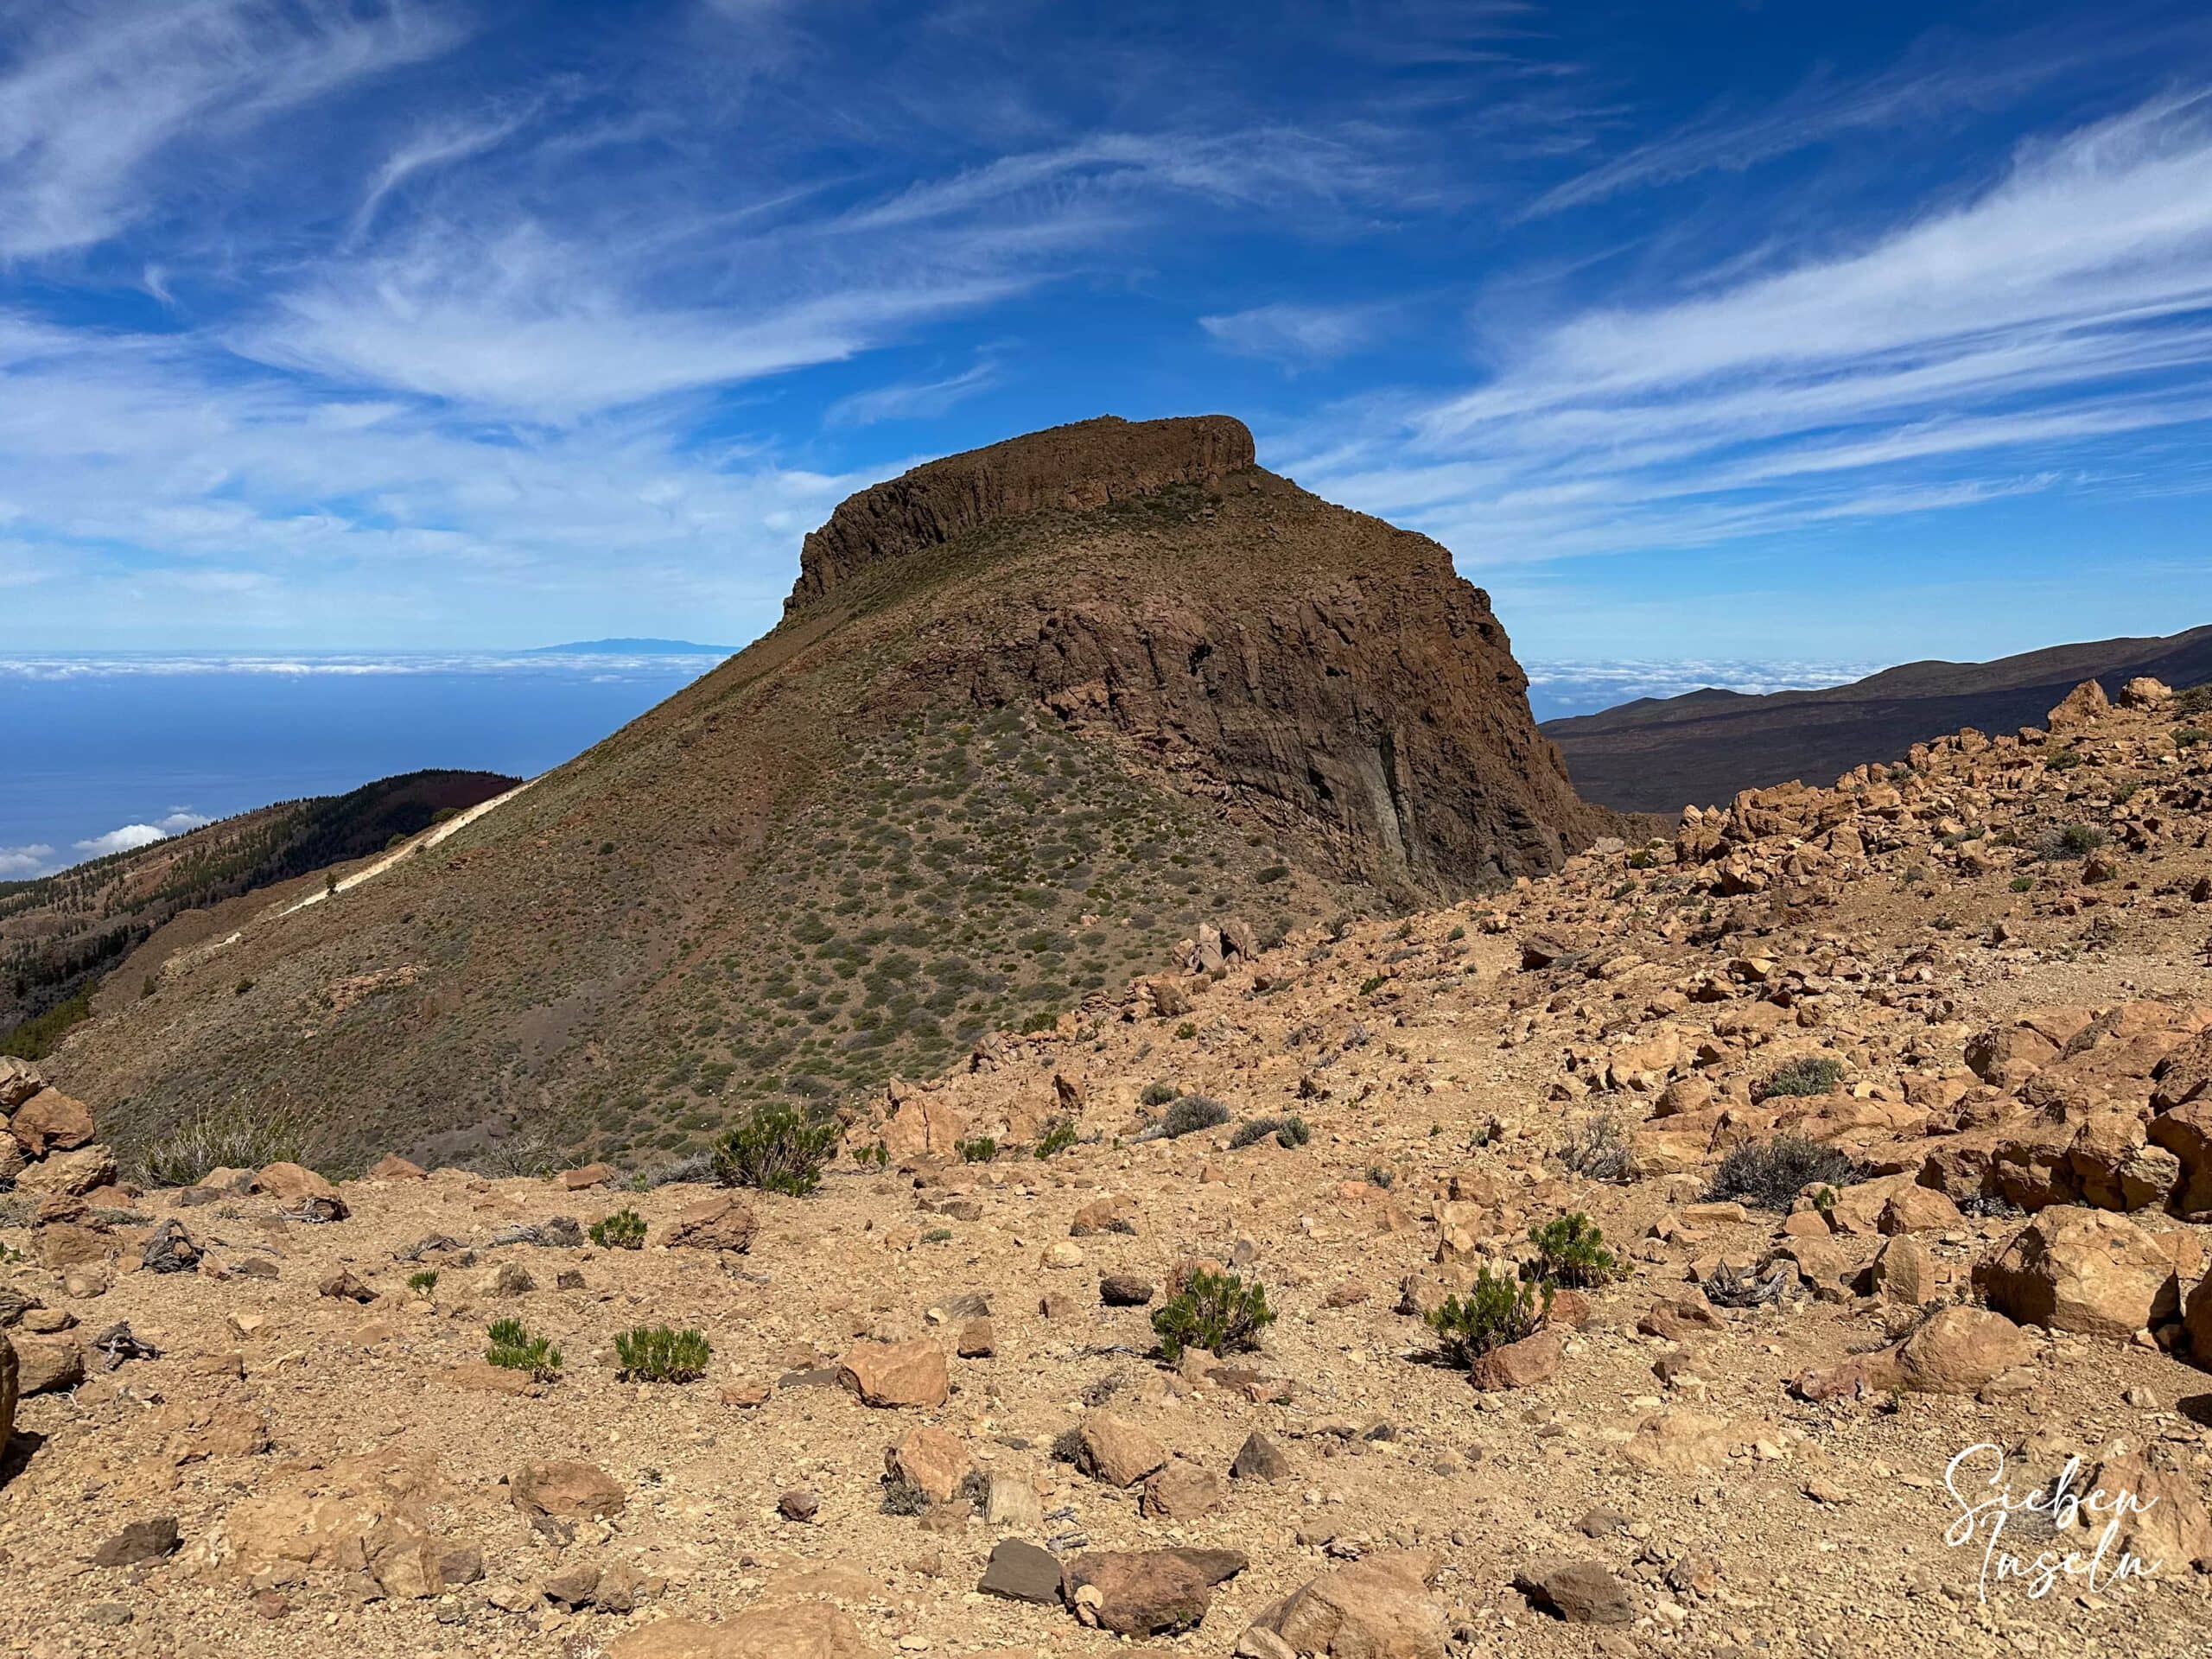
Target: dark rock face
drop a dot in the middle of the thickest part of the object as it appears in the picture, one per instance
(1085, 464)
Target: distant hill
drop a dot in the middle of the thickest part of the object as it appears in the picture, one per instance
(1659, 754)
(631, 648)
(1033, 714)
(61, 933)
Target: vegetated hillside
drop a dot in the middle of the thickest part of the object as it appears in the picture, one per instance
(1033, 715)
(1659, 755)
(61, 933)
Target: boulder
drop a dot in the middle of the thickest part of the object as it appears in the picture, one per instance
(722, 1221)
(47, 1365)
(1182, 1490)
(1960, 1350)
(923, 1126)
(890, 1374)
(1114, 1450)
(392, 1167)
(19, 1081)
(301, 1192)
(930, 1459)
(1522, 1364)
(10, 1387)
(70, 1174)
(1147, 1591)
(1022, 1572)
(2144, 692)
(1378, 1608)
(2077, 1269)
(2169, 1524)
(2084, 705)
(1260, 1459)
(51, 1121)
(1580, 1593)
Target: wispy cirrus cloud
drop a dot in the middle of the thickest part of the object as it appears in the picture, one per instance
(1294, 335)
(92, 97)
(2068, 302)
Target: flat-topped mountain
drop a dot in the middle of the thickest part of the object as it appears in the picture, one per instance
(1034, 713)
(1659, 754)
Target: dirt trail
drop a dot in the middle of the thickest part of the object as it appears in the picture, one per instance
(430, 837)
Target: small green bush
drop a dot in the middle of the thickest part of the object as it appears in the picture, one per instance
(2023, 883)
(1218, 1312)
(981, 1150)
(1810, 1074)
(1186, 1031)
(1159, 1094)
(2068, 841)
(1769, 1174)
(654, 1353)
(1289, 1132)
(777, 1150)
(1495, 1310)
(623, 1231)
(1192, 1114)
(423, 1281)
(2188, 737)
(512, 1348)
(1571, 1253)
(1058, 1137)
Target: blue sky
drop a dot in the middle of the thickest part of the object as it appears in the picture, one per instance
(1707, 330)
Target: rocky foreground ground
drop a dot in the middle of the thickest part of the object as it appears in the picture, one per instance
(933, 1420)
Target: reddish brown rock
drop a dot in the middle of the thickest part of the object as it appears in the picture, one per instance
(566, 1490)
(1148, 1592)
(301, 1191)
(891, 1374)
(1114, 1450)
(1378, 1608)
(1522, 1364)
(51, 1121)
(723, 1222)
(931, 1460)
(2077, 1269)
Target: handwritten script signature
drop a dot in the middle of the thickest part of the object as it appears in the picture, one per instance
(1987, 1508)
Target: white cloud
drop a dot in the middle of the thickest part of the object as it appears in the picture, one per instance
(21, 863)
(910, 400)
(132, 836)
(436, 146)
(93, 97)
(1292, 333)
(2059, 307)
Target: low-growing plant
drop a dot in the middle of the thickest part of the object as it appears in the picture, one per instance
(980, 1150)
(623, 1231)
(1289, 1132)
(2023, 883)
(422, 1281)
(1571, 1253)
(777, 1150)
(938, 1236)
(1218, 1312)
(656, 1353)
(1159, 1094)
(1597, 1151)
(1382, 1176)
(1186, 1031)
(1495, 1310)
(233, 1135)
(1809, 1074)
(1192, 1114)
(2188, 737)
(1058, 1137)
(1769, 1174)
(2068, 841)
(513, 1348)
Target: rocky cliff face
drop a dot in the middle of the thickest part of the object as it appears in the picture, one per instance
(1087, 464)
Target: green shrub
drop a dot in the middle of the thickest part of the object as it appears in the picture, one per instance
(512, 1348)
(423, 1281)
(1811, 1074)
(1159, 1094)
(1769, 1174)
(1058, 1137)
(1186, 1031)
(1570, 1252)
(981, 1150)
(2068, 841)
(1192, 1114)
(233, 1135)
(1217, 1311)
(2023, 883)
(1495, 1310)
(2065, 759)
(623, 1231)
(654, 1353)
(1289, 1132)
(2188, 737)
(777, 1150)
